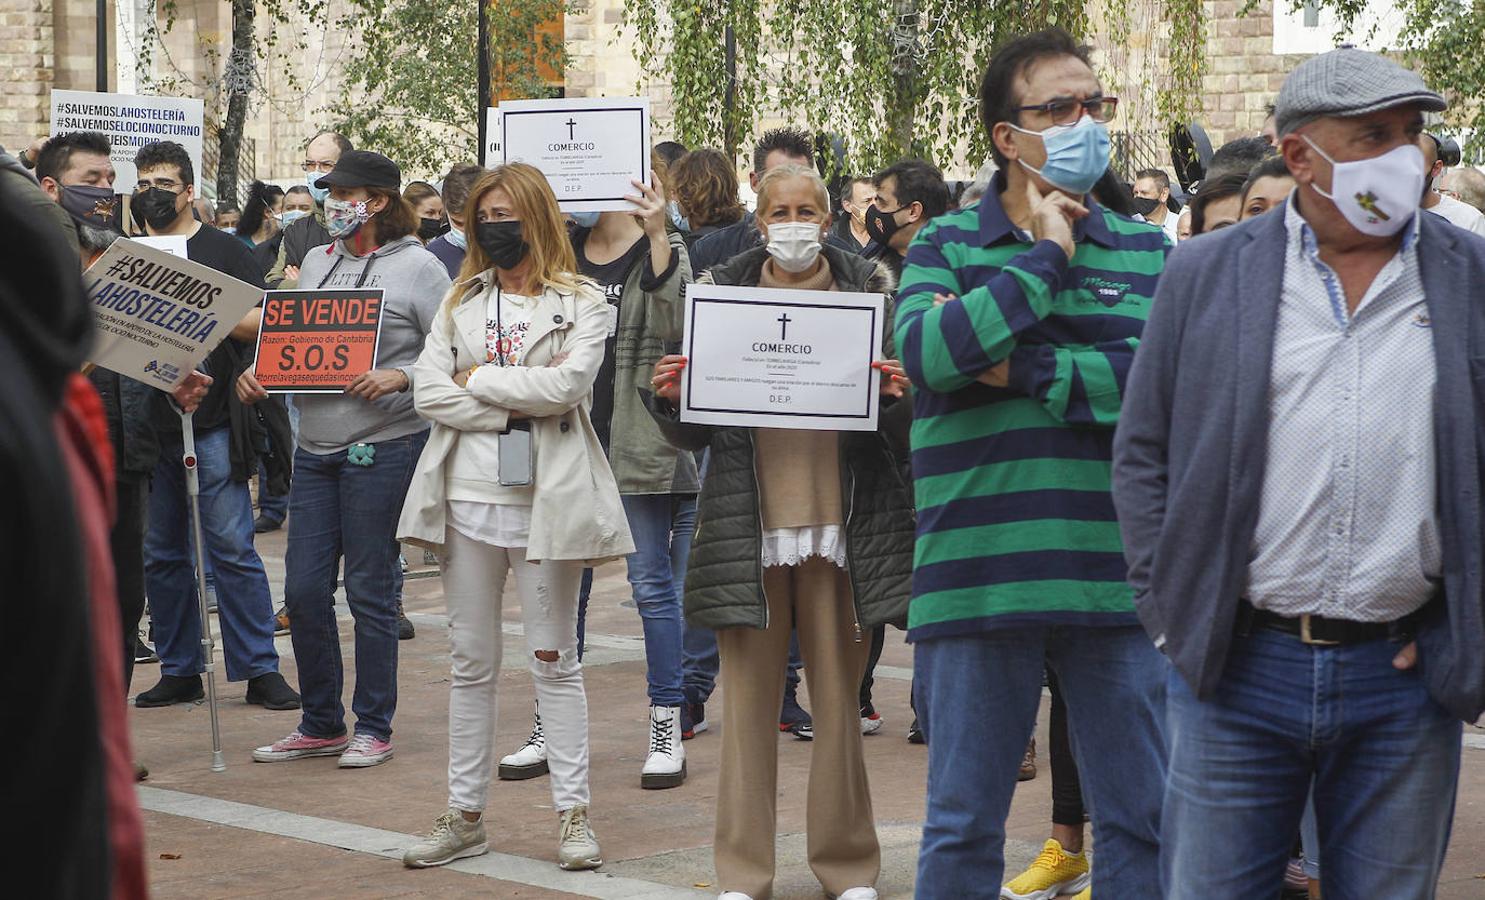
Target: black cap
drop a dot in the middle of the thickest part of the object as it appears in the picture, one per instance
(362, 168)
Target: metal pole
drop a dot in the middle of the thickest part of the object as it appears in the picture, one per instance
(484, 73)
(208, 646)
(729, 100)
(102, 41)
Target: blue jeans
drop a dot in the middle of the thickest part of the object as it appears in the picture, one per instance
(342, 510)
(1381, 758)
(977, 698)
(700, 664)
(273, 507)
(244, 609)
(662, 525)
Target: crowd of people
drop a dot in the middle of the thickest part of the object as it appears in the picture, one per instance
(1221, 499)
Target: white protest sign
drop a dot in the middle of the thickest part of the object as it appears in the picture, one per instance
(490, 153)
(590, 149)
(174, 244)
(130, 122)
(773, 358)
(158, 316)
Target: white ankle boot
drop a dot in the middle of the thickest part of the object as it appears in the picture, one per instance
(665, 766)
(531, 760)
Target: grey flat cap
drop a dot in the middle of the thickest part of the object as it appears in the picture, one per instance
(1348, 82)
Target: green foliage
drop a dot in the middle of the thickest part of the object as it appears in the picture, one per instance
(411, 86)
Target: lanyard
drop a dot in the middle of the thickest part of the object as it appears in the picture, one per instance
(499, 326)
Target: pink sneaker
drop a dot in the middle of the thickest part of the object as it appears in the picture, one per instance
(365, 750)
(299, 746)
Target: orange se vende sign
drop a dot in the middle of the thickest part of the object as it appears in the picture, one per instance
(317, 341)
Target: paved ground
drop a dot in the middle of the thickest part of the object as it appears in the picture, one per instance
(264, 830)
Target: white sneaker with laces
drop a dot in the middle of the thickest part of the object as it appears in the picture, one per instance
(531, 760)
(578, 847)
(858, 893)
(665, 765)
(452, 838)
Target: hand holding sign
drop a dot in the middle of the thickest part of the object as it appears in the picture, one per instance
(189, 393)
(379, 383)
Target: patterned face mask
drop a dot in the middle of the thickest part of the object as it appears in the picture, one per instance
(344, 218)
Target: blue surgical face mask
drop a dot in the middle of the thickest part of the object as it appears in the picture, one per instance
(290, 216)
(318, 193)
(585, 219)
(680, 221)
(1077, 154)
(457, 237)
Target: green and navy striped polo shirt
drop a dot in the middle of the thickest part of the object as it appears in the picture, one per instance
(1016, 524)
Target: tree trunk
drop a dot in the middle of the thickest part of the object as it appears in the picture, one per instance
(903, 103)
(239, 80)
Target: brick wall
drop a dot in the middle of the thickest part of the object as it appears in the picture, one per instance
(1243, 74)
(27, 62)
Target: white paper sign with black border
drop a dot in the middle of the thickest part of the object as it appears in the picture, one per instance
(591, 149)
(774, 358)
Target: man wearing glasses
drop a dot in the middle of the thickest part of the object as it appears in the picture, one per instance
(308, 232)
(225, 460)
(1018, 319)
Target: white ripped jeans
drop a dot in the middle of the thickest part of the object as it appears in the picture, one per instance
(474, 578)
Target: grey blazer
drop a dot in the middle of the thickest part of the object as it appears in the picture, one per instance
(1189, 453)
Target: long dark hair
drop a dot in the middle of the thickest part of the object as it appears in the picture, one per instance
(260, 201)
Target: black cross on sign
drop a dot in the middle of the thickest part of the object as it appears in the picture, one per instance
(571, 124)
(784, 321)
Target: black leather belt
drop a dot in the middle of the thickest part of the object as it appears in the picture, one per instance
(1323, 631)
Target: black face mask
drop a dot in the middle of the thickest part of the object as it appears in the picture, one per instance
(502, 242)
(91, 205)
(428, 229)
(879, 225)
(157, 207)
(1145, 205)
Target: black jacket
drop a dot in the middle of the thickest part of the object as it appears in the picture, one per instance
(300, 237)
(129, 407)
(725, 243)
(724, 582)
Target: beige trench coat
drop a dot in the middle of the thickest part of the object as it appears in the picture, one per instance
(575, 513)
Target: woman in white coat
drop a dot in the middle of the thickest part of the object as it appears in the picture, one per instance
(505, 378)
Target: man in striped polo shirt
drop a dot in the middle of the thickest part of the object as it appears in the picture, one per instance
(1018, 320)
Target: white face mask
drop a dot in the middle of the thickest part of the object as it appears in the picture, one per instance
(794, 246)
(1378, 196)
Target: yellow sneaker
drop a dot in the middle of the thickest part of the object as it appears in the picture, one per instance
(1052, 873)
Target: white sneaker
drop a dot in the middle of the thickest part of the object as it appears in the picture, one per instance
(578, 848)
(451, 838)
(858, 893)
(531, 760)
(665, 766)
(734, 895)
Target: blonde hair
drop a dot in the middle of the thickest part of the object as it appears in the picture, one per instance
(553, 264)
(777, 174)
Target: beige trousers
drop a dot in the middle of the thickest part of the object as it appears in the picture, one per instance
(841, 833)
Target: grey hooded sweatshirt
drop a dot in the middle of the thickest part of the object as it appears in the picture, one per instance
(414, 283)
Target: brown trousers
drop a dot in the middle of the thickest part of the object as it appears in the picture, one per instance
(841, 833)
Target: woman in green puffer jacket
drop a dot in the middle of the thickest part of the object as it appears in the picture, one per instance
(812, 529)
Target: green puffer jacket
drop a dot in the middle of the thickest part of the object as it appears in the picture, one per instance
(649, 317)
(724, 582)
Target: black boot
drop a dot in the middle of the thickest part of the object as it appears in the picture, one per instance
(270, 691)
(171, 689)
(405, 631)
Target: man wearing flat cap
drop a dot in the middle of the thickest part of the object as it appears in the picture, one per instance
(1297, 477)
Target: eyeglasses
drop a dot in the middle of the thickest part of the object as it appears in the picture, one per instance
(1066, 110)
(164, 184)
(310, 165)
